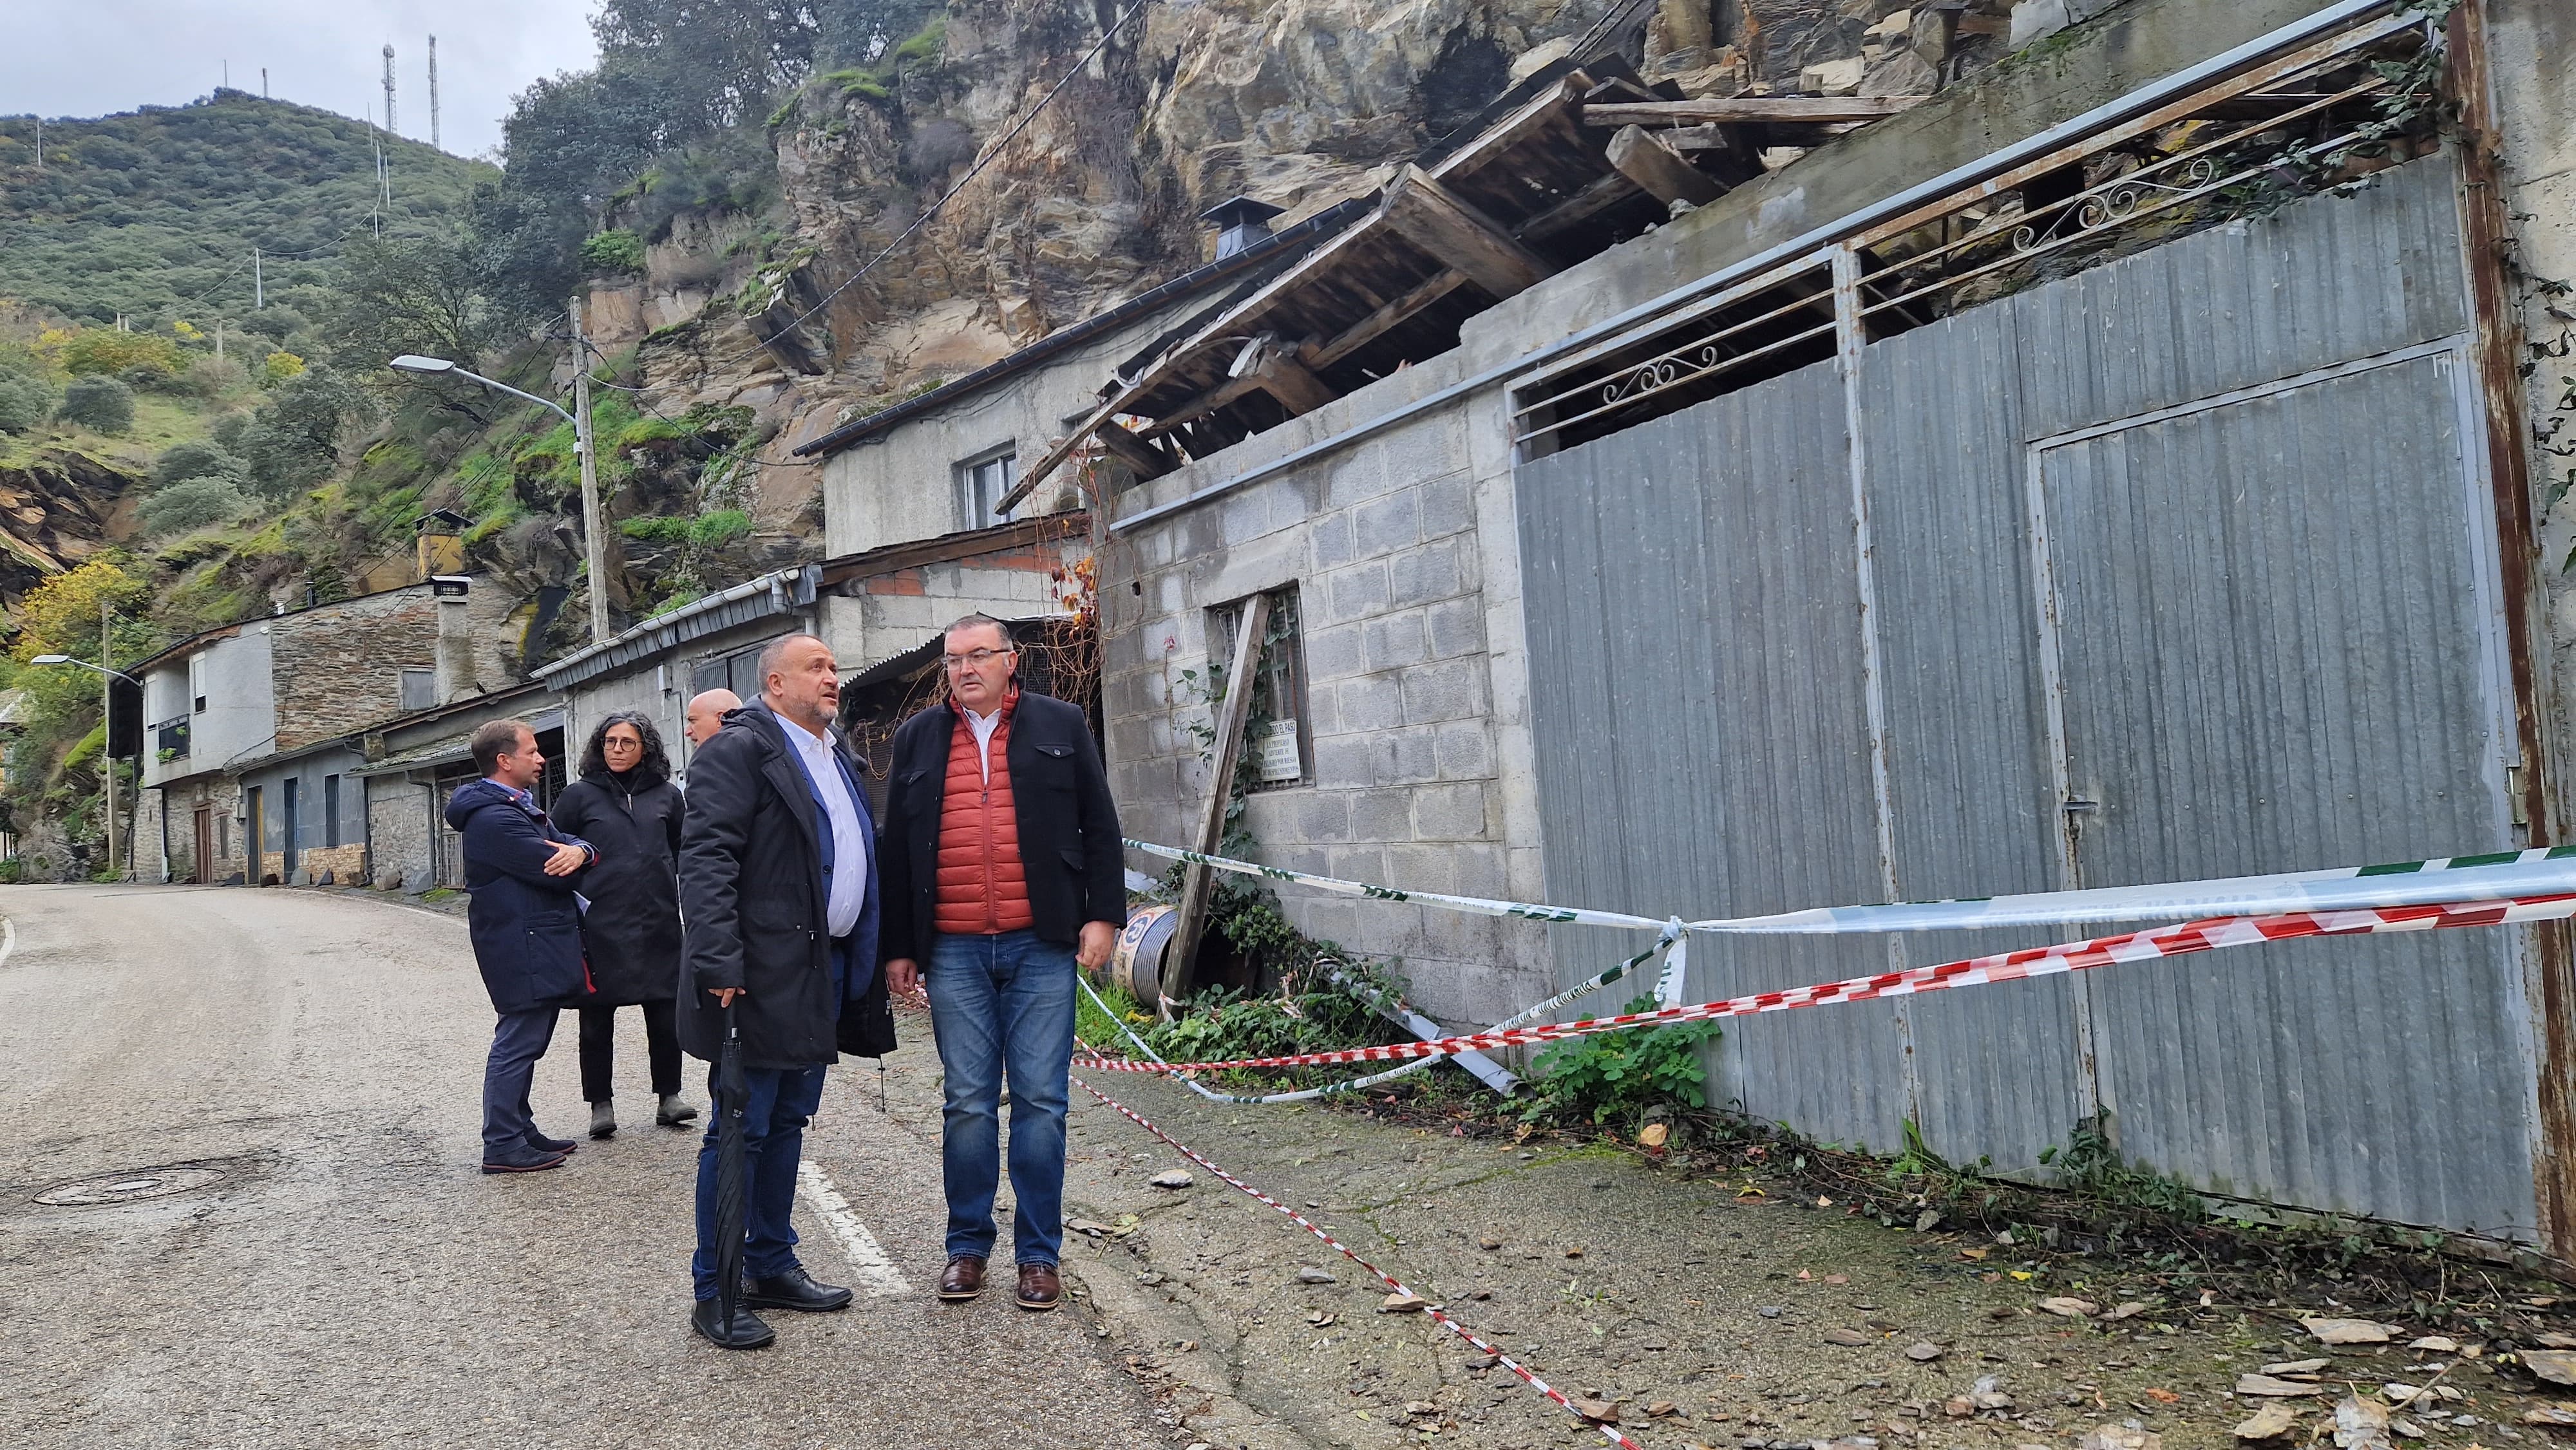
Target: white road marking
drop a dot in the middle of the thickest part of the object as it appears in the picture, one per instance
(858, 1247)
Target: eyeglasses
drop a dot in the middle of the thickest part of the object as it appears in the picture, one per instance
(978, 658)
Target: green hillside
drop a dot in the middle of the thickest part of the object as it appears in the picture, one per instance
(154, 213)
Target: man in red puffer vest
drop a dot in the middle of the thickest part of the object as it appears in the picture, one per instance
(1002, 868)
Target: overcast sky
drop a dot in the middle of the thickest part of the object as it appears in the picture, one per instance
(83, 58)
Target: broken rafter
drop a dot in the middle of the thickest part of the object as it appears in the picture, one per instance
(1660, 170)
(1368, 329)
(1595, 198)
(1433, 218)
(1148, 460)
(1732, 109)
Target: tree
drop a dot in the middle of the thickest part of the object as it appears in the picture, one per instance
(572, 142)
(24, 402)
(192, 503)
(102, 404)
(420, 296)
(195, 459)
(293, 442)
(715, 63)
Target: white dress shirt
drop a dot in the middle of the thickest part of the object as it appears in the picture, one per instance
(983, 726)
(849, 883)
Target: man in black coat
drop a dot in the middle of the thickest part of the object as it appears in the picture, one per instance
(1003, 869)
(778, 889)
(520, 873)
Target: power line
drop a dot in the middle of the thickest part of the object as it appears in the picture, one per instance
(972, 172)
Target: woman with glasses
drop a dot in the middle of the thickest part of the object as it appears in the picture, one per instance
(628, 809)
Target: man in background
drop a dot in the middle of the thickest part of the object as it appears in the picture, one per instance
(1003, 867)
(706, 715)
(520, 873)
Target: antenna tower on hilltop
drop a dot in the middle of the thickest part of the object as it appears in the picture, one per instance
(433, 92)
(389, 86)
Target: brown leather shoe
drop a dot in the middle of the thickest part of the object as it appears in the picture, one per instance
(963, 1280)
(1039, 1287)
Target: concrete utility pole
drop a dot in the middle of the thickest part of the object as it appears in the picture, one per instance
(263, 83)
(40, 143)
(107, 721)
(594, 547)
(258, 289)
(389, 86)
(433, 92)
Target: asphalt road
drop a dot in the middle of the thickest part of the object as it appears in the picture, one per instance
(290, 1082)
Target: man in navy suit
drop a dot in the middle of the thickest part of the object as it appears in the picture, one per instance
(778, 890)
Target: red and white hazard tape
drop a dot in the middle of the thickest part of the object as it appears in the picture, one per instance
(2171, 941)
(1438, 1315)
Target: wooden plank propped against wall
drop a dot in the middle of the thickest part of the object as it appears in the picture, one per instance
(1432, 217)
(1659, 170)
(1181, 958)
(1368, 329)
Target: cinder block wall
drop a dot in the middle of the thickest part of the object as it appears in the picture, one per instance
(1404, 551)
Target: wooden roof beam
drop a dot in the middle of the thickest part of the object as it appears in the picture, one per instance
(1751, 108)
(1660, 170)
(1370, 328)
(1435, 219)
(1148, 460)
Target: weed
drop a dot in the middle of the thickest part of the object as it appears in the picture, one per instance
(1622, 1076)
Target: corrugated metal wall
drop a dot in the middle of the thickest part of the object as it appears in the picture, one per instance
(2274, 646)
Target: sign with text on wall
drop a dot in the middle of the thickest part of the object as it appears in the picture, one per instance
(1279, 758)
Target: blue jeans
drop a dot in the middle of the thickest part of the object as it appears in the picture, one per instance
(518, 1040)
(1003, 1003)
(782, 1101)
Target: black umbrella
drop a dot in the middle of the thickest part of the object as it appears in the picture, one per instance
(733, 1101)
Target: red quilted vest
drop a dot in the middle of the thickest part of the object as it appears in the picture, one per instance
(983, 890)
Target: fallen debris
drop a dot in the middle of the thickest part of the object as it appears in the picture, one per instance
(1923, 1351)
(2270, 1421)
(2360, 1424)
(2349, 1331)
(1403, 1303)
(2067, 1308)
(2557, 1366)
(1315, 1276)
(2263, 1384)
(1174, 1178)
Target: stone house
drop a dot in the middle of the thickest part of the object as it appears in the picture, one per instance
(247, 773)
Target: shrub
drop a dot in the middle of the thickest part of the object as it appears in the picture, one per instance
(281, 365)
(1619, 1075)
(103, 404)
(94, 350)
(189, 460)
(24, 402)
(192, 503)
(615, 250)
(212, 377)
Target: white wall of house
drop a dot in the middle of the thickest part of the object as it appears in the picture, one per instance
(240, 718)
(904, 485)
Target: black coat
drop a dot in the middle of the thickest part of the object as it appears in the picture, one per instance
(632, 930)
(525, 924)
(1069, 848)
(753, 895)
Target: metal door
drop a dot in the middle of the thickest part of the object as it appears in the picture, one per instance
(286, 860)
(2271, 638)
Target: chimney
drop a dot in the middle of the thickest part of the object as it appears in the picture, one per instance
(1239, 223)
(454, 679)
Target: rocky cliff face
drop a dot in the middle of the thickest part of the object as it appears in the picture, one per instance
(57, 507)
(1295, 102)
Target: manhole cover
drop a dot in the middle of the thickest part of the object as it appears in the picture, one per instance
(127, 1187)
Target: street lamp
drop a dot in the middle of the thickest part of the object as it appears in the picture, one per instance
(594, 549)
(106, 724)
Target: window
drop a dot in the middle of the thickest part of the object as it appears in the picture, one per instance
(330, 810)
(738, 671)
(419, 689)
(1276, 740)
(197, 683)
(981, 482)
(223, 835)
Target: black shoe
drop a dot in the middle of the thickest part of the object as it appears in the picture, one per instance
(521, 1160)
(544, 1144)
(794, 1289)
(745, 1332)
